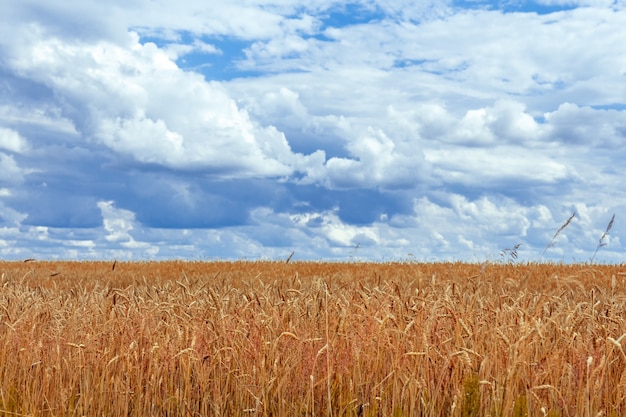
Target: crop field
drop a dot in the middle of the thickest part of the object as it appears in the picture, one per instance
(307, 338)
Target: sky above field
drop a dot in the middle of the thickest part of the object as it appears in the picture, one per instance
(365, 130)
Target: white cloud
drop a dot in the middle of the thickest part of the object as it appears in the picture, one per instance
(12, 141)
(480, 56)
(40, 115)
(9, 216)
(177, 50)
(10, 172)
(497, 165)
(125, 95)
(337, 232)
(505, 121)
(246, 20)
(419, 127)
(117, 222)
(573, 124)
(377, 160)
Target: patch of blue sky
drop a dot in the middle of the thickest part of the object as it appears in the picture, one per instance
(432, 66)
(612, 106)
(229, 63)
(446, 72)
(543, 84)
(307, 142)
(221, 65)
(364, 207)
(408, 63)
(513, 6)
(350, 14)
(538, 8)
(345, 15)
(225, 63)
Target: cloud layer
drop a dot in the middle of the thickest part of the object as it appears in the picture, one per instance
(363, 130)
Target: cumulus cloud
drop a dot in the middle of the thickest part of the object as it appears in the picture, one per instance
(378, 160)
(118, 225)
(250, 129)
(122, 97)
(582, 125)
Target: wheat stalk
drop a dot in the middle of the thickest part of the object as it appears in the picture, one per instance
(332, 340)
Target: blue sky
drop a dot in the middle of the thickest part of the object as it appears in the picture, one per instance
(366, 130)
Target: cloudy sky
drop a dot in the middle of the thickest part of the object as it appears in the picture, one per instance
(343, 130)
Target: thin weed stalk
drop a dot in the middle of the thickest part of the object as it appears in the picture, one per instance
(602, 242)
(558, 232)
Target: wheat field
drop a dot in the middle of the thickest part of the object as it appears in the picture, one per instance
(305, 339)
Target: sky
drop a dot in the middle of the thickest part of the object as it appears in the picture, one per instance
(371, 130)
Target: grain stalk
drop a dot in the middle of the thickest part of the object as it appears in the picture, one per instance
(602, 242)
(558, 232)
(251, 343)
(328, 373)
(511, 253)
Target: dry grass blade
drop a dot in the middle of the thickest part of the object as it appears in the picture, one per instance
(558, 232)
(602, 242)
(511, 253)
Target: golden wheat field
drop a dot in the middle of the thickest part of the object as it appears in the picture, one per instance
(304, 339)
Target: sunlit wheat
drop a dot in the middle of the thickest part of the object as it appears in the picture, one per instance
(303, 339)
